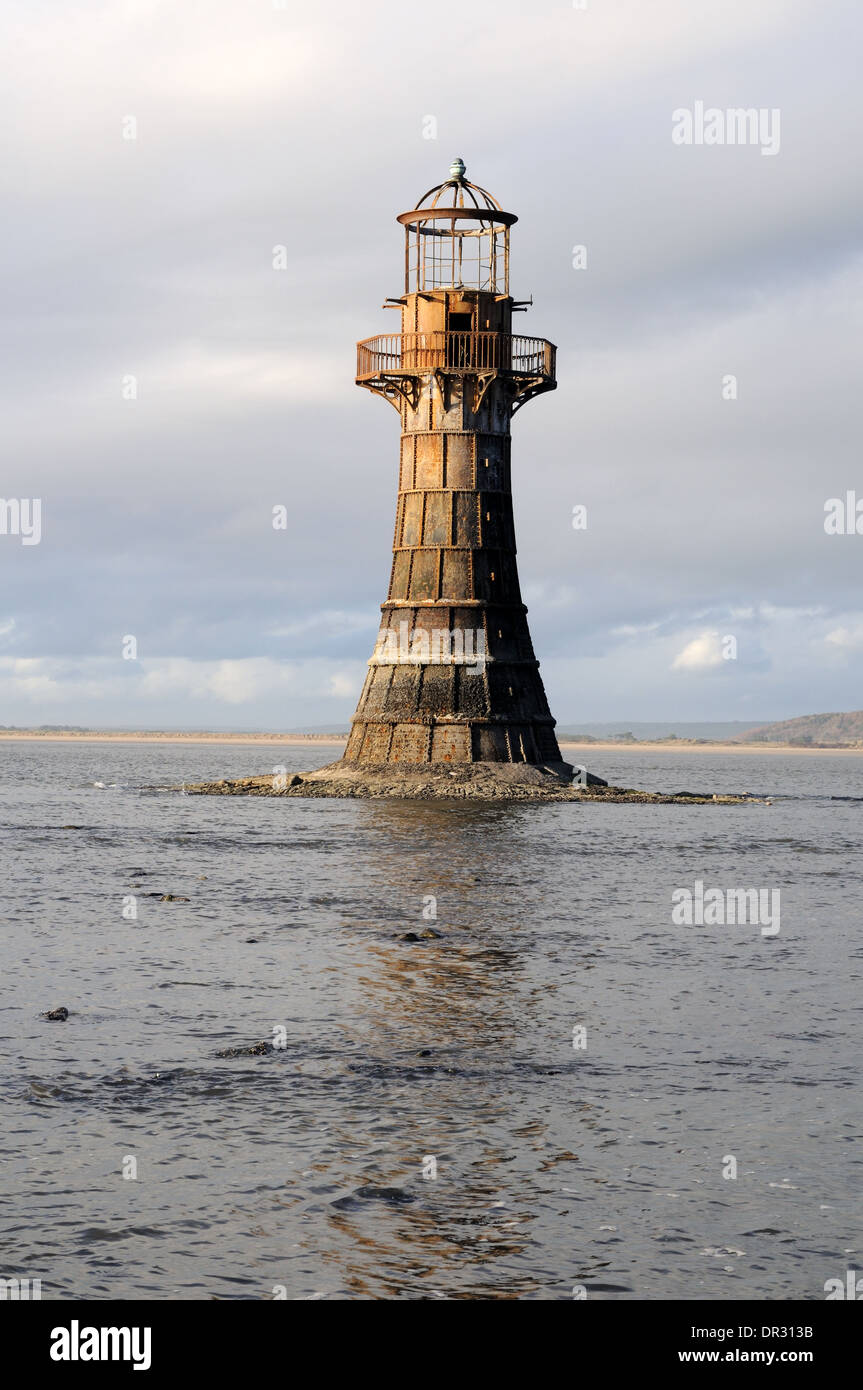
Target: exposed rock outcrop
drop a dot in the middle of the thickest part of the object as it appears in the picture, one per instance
(449, 782)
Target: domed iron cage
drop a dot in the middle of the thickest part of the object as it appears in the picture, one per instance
(457, 245)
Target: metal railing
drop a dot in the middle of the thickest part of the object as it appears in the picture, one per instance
(425, 352)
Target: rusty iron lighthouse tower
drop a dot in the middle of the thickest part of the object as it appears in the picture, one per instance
(453, 678)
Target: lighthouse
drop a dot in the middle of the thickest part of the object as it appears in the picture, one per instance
(453, 679)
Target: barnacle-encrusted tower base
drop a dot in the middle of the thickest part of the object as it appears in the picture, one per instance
(453, 679)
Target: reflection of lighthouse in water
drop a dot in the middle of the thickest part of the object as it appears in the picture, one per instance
(453, 678)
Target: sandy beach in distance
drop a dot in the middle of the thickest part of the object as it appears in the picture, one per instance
(324, 740)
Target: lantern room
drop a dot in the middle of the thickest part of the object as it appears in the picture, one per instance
(457, 238)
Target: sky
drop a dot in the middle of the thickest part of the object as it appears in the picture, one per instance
(165, 386)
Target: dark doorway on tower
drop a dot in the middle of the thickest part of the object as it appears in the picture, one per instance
(458, 339)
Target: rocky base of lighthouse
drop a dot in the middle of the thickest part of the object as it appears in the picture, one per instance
(448, 782)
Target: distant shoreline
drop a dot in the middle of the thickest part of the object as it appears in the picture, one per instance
(334, 740)
(152, 736)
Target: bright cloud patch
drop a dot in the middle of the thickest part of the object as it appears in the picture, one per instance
(98, 684)
(851, 638)
(701, 654)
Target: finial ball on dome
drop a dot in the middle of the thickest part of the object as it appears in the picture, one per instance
(456, 169)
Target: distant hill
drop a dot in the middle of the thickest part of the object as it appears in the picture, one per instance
(47, 728)
(811, 730)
